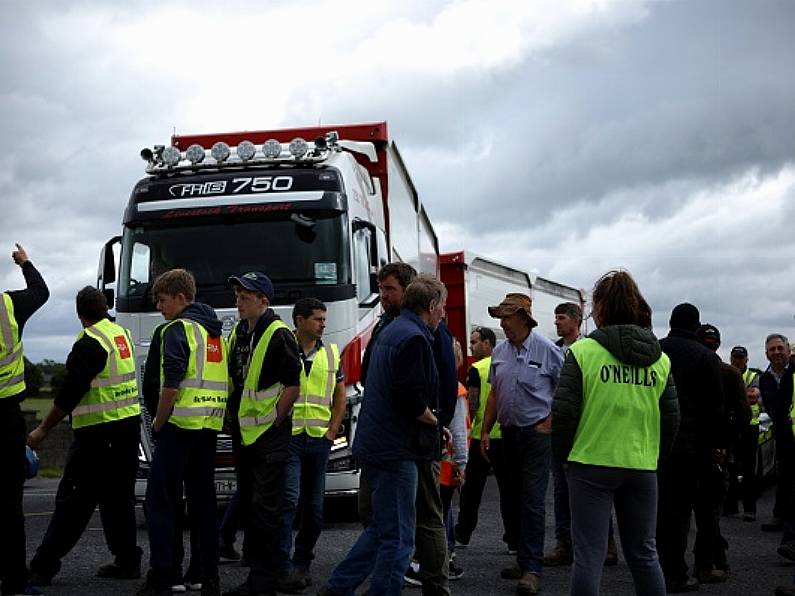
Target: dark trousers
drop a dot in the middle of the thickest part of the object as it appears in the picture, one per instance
(260, 480)
(476, 474)
(710, 547)
(430, 542)
(100, 470)
(688, 483)
(594, 492)
(182, 457)
(528, 456)
(749, 487)
(13, 572)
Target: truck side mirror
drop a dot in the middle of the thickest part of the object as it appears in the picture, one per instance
(106, 273)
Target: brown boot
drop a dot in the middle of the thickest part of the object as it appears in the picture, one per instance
(529, 584)
(562, 555)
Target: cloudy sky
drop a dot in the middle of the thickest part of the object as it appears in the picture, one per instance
(566, 138)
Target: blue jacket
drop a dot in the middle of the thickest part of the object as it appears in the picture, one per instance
(401, 382)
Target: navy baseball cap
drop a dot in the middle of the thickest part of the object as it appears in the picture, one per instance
(739, 351)
(256, 281)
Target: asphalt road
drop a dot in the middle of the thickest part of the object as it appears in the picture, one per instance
(756, 568)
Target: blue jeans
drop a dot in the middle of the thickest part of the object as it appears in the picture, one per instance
(528, 456)
(305, 477)
(385, 546)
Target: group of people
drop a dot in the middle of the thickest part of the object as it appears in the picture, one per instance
(651, 430)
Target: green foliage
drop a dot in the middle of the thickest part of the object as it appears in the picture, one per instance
(34, 379)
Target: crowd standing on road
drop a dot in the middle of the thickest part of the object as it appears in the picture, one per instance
(657, 431)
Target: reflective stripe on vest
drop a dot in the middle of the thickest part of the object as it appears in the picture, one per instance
(114, 393)
(482, 366)
(749, 376)
(620, 422)
(12, 363)
(202, 394)
(258, 407)
(312, 409)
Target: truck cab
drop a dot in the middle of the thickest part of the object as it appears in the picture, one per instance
(314, 215)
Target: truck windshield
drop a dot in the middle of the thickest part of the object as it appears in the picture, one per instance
(304, 255)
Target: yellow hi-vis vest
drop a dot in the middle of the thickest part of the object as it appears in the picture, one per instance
(258, 408)
(114, 393)
(620, 422)
(12, 364)
(755, 409)
(482, 366)
(312, 409)
(749, 376)
(202, 394)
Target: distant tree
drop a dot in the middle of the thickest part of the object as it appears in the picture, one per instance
(33, 378)
(57, 380)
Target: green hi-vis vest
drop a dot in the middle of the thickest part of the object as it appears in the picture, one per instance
(749, 376)
(482, 366)
(258, 408)
(312, 409)
(202, 395)
(755, 409)
(12, 364)
(114, 393)
(620, 422)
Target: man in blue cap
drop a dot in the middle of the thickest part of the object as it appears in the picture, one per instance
(265, 369)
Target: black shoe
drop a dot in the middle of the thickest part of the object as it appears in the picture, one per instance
(150, 590)
(785, 591)
(295, 582)
(116, 571)
(228, 553)
(412, 575)
(453, 571)
(688, 585)
(787, 550)
(460, 539)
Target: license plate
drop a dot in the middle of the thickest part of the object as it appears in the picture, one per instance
(225, 486)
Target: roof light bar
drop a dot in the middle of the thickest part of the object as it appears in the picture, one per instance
(272, 148)
(246, 150)
(220, 152)
(171, 156)
(298, 147)
(195, 154)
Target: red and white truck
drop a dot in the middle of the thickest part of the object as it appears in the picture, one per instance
(318, 209)
(475, 282)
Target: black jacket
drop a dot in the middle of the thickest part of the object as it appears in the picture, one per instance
(736, 404)
(630, 344)
(697, 375)
(777, 400)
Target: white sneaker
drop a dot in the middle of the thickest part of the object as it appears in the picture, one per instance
(193, 586)
(178, 588)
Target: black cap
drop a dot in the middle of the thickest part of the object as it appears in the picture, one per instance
(709, 336)
(685, 316)
(256, 281)
(739, 351)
